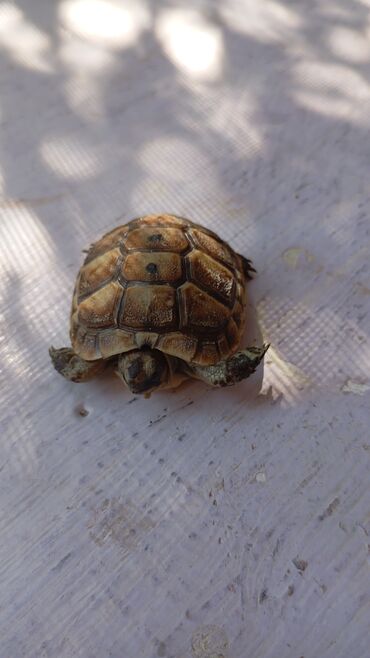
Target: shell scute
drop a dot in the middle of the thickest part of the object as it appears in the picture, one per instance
(109, 241)
(219, 250)
(100, 309)
(88, 342)
(148, 307)
(178, 344)
(200, 310)
(152, 267)
(157, 239)
(98, 271)
(163, 220)
(115, 341)
(212, 275)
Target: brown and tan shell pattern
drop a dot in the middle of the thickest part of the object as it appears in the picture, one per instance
(163, 282)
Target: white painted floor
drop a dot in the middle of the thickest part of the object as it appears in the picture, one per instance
(202, 523)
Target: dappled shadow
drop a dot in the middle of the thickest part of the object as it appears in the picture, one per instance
(127, 118)
(107, 120)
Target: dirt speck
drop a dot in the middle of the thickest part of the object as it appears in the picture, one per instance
(161, 651)
(290, 590)
(276, 549)
(300, 564)
(61, 562)
(263, 596)
(328, 511)
(157, 420)
(321, 585)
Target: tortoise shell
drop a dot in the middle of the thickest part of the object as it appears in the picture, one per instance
(163, 282)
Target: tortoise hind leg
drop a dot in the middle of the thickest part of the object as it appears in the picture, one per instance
(72, 367)
(232, 370)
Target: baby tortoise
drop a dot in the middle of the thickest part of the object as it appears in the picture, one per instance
(161, 299)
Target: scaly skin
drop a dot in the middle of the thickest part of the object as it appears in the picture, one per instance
(232, 370)
(72, 367)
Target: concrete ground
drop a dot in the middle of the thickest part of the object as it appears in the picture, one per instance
(201, 523)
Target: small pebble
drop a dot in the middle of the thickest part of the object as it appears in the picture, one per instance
(82, 411)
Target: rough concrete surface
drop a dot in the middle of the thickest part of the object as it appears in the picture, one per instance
(201, 523)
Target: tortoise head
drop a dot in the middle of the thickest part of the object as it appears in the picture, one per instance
(143, 370)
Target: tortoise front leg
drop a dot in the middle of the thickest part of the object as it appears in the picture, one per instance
(72, 367)
(232, 370)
